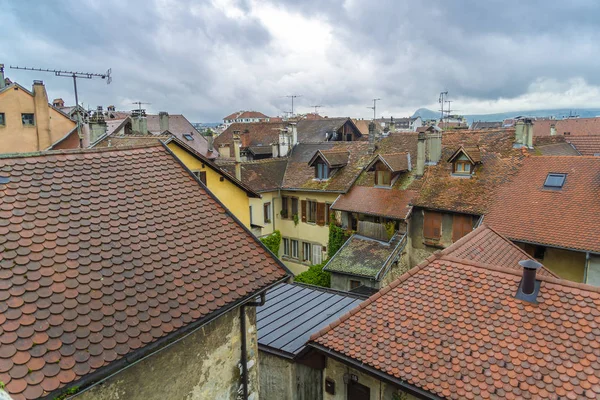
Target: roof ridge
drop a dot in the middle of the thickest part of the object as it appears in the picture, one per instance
(90, 150)
(377, 295)
(515, 272)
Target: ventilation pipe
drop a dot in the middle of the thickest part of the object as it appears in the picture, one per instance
(529, 287)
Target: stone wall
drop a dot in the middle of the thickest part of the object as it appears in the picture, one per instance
(379, 390)
(205, 365)
(283, 379)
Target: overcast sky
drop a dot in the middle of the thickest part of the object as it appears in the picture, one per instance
(206, 59)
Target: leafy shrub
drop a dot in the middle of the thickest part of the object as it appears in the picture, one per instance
(272, 242)
(337, 238)
(315, 276)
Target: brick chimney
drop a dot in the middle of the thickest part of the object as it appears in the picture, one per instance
(392, 125)
(58, 103)
(163, 120)
(524, 133)
(529, 286)
(41, 115)
(420, 155)
(97, 125)
(211, 140)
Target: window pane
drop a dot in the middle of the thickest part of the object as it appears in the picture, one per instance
(317, 254)
(27, 119)
(555, 180)
(2, 122)
(295, 206)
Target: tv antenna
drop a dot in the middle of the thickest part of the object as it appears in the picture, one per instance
(139, 104)
(442, 100)
(293, 96)
(374, 108)
(74, 75)
(317, 109)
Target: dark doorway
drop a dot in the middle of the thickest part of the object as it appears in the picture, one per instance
(356, 391)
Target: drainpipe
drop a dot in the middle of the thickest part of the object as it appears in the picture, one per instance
(244, 350)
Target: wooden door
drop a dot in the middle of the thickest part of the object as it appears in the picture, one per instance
(356, 391)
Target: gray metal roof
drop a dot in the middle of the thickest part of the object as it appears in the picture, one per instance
(292, 313)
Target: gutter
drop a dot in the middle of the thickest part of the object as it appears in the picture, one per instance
(101, 375)
(403, 385)
(244, 360)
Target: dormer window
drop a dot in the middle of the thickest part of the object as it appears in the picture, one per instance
(464, 161)
(388, 167)
(322, 171)
(187, 136)
(555, 181)
(327, 162)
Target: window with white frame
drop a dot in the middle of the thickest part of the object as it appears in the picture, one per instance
(307, 255)
(286, 247)
(294, 248)
(317, 254)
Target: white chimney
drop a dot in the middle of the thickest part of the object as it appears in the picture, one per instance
(236, 152)
(275, 150)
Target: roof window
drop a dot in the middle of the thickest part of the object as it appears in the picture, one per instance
(555, 181)
(189, 137)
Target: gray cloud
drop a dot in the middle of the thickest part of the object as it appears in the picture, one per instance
(208, 58)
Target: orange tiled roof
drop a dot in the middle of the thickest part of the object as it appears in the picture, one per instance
(453, 328)
(569, 126)
(252, 134)
(379, 202)
(105, 252)
(440, 190)
(585, 145)
(245, 114)
(524, 211)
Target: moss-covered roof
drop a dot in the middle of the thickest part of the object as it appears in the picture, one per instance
(365, 257)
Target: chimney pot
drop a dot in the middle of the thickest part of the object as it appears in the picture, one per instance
(528, 288)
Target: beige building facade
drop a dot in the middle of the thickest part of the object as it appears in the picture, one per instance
(28, 123)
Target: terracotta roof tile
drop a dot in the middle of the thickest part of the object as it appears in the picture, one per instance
(245, 114)
(499, 161)
(320, 130)
(251, 134)
(95, 244)
(569, 126)
(376, 201)
(261, 175)
(454, 328)
(585, 145)
(568, 217)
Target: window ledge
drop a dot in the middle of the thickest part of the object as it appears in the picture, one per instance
(464, 176)
(433, 243)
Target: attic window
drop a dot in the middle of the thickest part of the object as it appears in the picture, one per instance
(189, 137)
(321, 171)
(555, 181)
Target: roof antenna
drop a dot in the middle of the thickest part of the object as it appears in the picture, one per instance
(293, 96)
(74, 75)
(374, 108)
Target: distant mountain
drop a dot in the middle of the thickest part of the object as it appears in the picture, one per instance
(426, 113)
(556, 113)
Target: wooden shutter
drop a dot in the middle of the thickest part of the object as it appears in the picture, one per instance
(203, 177)
(461, 226)
(432, 225)
(303, 207)
(320, 214)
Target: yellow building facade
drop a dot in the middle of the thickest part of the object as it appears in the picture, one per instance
(28, 123)
(230, 192)
(303, 237)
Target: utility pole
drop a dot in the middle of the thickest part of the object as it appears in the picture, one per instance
(293, 96)
(374, 108)
(74, 75)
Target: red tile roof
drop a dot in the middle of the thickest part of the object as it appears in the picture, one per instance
(453, 328)
(585, 145)
(524, 211)
(105, 252)
(396, 162)
(379, 202)
(571, 126)
(499, 161)
(252, 134)
(245, 114)
(487, 246)
(262, 175)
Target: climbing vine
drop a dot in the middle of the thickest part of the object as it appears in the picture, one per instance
(272, 241)
(315, 276)
(337, 238)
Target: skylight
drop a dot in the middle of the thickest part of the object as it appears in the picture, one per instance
(187, 136)
(555, 181)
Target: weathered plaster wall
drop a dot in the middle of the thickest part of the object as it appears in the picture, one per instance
(397, 270)
(565, 263)
(282, 379)
(378, 390)
(342, 281)
(593, 273)
(205, 365)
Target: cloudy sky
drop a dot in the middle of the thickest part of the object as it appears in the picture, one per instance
(207, 58)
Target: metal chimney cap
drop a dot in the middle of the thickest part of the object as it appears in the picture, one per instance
(530, 264)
